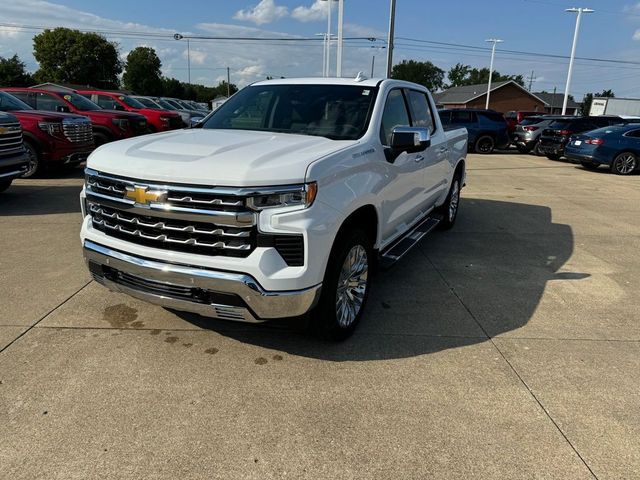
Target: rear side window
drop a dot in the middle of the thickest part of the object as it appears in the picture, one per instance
(420, 110)
(633, 134)
(559, 124)
(106, 102)
(531, 120)
(463, 117)
(493, 117)
(510, 116)
(445, 117)
(24, 96)
(395, 115)
(44, 101)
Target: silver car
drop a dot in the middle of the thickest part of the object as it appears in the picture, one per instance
(527, 133)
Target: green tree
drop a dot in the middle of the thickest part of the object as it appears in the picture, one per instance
(588, 99)
(142, 72)
(13, 73)
(71, 56)
(462, 74)
(424, 73)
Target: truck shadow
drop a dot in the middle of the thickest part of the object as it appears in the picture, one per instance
(481, 279)
(39, 199)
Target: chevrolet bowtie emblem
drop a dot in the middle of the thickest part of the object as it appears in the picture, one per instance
(144, 196)
(3, 130)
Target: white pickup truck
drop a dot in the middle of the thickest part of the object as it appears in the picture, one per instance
(279, 204)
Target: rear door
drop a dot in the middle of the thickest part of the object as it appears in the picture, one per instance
(404, 195)
(27, 97)
(48, 102)
(435, 158)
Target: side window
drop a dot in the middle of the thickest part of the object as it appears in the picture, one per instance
(445, 117)
(421, 110)
(24, 96)
(395, 115)
(44, 101)
(633, 134)
(462, 117)
(106, 102)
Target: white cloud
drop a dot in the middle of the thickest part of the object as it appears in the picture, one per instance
(10, 32)
(197, 56)
(317, 11)
(265, 12)
(636, 35)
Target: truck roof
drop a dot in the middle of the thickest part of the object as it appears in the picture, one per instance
(365, 82)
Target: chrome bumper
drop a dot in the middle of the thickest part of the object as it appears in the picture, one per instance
(224, 295)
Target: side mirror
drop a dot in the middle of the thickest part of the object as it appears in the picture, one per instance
(409, 139)
(63, 109)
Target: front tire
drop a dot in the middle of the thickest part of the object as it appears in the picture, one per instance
(345, 288)
(35, 162)
(624, 163)
(450, 207)
(484, 145)
(523, 148)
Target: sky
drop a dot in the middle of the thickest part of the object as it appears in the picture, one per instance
(533, 26)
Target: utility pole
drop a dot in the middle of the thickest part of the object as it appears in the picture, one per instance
(228, 83)
(329, 38)
(495, 41)
(553, 100)
(340, 39)
(579, 11)
(531, 80)
(392, 21)
(189, 61)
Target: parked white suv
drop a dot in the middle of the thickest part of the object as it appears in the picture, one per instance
(278, 205)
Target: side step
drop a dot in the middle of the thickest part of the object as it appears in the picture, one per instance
(410, 240)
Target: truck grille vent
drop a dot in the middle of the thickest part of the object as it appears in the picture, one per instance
(290, 247)
(77, 130)
(173, 234)
(10, 138)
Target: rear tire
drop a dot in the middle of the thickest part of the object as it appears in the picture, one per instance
(485, 145)
(35, 166)
(450, 207)
(625, 163)
(345, 288)
(4, 184)
(523, 148)
(553, 156)
(536, 150)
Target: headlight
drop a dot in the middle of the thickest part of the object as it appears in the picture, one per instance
(293, 196)
(52, 128)
(165, 121)
(122, 123)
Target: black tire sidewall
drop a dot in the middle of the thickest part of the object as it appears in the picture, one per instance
(5, 184)
(32, 150)
(324, 322)
(446, 223)
(100, 139)
(480, 140)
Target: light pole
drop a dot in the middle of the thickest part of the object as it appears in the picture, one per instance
(392, 22)
(579, 11)
(178, 36)
(324, 52)
(340, 40)
(495, 41)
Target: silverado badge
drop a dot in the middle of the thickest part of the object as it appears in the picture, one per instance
(144, 196)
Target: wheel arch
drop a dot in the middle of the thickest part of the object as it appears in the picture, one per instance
(365, 217)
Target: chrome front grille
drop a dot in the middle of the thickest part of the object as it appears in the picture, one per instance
(185, 219)
(78, 130)
(10, 137)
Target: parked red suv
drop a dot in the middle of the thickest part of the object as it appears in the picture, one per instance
(158, 120)
(108, 125)
(514, 118)
(50, 138)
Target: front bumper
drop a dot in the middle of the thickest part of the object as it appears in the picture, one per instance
(13, 166)
(212, 293)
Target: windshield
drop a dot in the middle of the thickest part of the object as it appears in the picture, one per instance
(174, 104)
(80, 102)
(166, 105)
(130, 101)
(184, 104)
(147, 102)
(531, 120)
(338, 112)
(9, 103)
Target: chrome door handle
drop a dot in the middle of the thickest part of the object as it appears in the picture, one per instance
(443, 150)
(419, 158)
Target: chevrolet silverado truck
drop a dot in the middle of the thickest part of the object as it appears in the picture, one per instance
(14, 160)
(280, 204)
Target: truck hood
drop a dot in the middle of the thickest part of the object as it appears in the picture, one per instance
(235, 158)
(109, 114)
(46, 115)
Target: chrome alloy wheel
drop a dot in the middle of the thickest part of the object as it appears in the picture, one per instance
(455, 200)
(625, 163)
(352, 286)
(32, 166)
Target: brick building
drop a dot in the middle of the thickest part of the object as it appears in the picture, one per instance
(505, 96)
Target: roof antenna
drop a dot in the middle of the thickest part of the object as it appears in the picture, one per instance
(361, 77)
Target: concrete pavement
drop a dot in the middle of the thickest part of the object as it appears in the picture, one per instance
(508, 347)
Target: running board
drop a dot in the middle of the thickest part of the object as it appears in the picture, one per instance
(400, 248)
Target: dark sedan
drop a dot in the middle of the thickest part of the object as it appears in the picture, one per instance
(618, 147)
